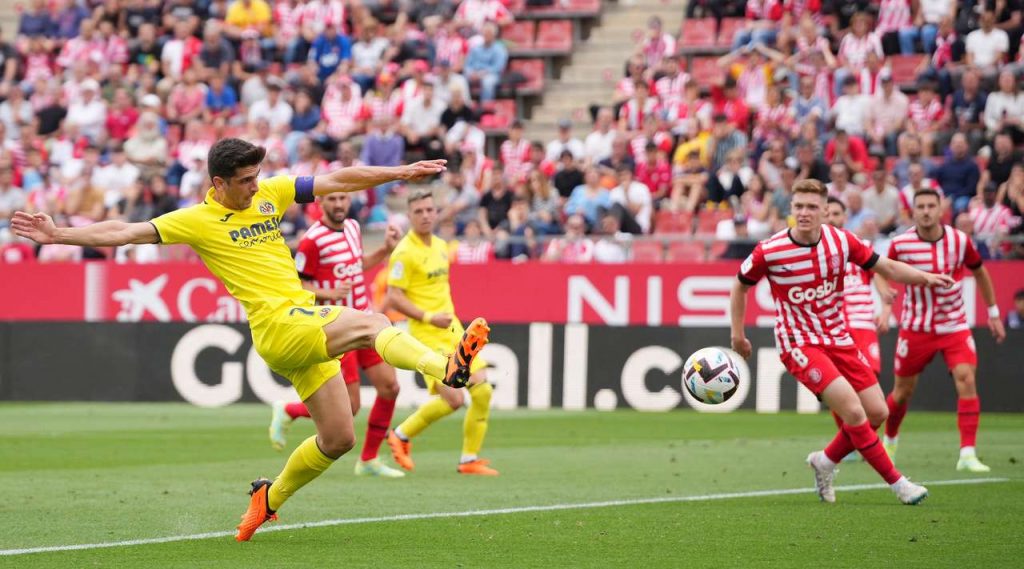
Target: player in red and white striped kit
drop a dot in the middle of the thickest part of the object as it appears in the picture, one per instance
(806, 267)
(935, 320)
(330, 260)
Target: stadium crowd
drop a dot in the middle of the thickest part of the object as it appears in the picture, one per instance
(107, 110)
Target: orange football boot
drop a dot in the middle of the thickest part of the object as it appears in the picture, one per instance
(258, 512)
(401, 451)
(478, 467)
(473, 340)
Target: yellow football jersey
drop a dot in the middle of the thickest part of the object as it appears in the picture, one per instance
(422, 272)
(244, 249)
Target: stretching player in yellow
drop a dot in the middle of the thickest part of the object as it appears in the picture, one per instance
(235, 230)
(418, 287)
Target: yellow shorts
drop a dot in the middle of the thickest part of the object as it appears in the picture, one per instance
(294, 345)
(442, 341)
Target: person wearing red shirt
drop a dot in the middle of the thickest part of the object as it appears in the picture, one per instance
(655, 173)
(850, 150)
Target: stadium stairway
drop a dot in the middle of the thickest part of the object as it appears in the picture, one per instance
(9, 19)
(598, 63)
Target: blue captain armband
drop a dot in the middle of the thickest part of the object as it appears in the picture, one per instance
(304, 189)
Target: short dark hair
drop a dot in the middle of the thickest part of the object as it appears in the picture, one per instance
(837, 201)
(228, 155)
(927, 192)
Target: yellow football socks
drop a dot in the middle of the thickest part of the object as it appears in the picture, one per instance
(428, 413)
(474, 427)
(403, 351)
(306, 463)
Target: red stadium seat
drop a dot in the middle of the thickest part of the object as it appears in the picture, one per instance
(584, 7)
(717, 248)
(517, 7)
(519, 35)
(533, 70)
(555, 35)
(728, 30)
(673, 222)
(501, 114)
(707, 220)
(697, 34)
(647, 251)
(706, 71)
(685, 252)
(904, 68)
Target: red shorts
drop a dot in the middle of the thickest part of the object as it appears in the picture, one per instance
(914, 350)
(352, 362)
(818, 366)
(867, 343)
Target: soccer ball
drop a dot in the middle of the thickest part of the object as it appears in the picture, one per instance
(710, 375)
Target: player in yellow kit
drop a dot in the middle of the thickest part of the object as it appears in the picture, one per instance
(235, 232)
(418, 287)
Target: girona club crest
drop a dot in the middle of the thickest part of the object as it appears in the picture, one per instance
(815, 375)
(833, 262)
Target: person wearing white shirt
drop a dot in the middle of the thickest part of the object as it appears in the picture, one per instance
(447, 82)
(273, 109)
(635, 198)
(987, 47)
(1004, 109)
(565, 141)
(89, 112)
(421, 122)
(115, 177)
(610, 246)
(598, 144)
(851, 109)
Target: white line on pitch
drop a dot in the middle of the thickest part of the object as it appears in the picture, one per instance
(474, 513)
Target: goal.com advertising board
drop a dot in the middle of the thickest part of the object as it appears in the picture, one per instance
(535, 366)
(672, 295)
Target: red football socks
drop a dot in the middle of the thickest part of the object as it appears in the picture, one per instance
(967, 415)
(865, 440)
(377, 426)
(896, 413)
(296, 410)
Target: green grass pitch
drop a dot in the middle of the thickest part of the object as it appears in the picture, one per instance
(103, 473)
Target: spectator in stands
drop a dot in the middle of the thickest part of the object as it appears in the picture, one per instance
(12, 198)
(564, 141)
(916, 181)
(967, 108)
(477, 14)
(89, 112)
(850, 151)
(15, 112)
(274, 109)
(36, 22)
(958, 175)
(887, 116)
(730, 181)
(896, 28)
(573, 247)
(179, 52)
(882, 198)
(598, 144)
(618, 158)
(486, 63)
(144, 201)
(927, 116)
(216, 54)
(991, 220)
(439, 9)
(147, 148)
(725, 138)
(221, 101)
(809, 165)
(910, 145)
(755, 205)
(516, 237)
(634, 201)
(655, 173)
(494, 205)
(145, 53)
(383, 146)
(465, 203)
(1000, 164)
(964, 223)
(742, 244)
(638, 108)
(544, 201)
(689, 187)
(568, 175)
(590, 199)
(850, 110)
(636, 70)
(68, 19)
(854, 49)
(368, 55)
(1015, 316)
(986, 48)
(611, 242)
(115, 177)
(658, 44)
(856, 213)
(1004, 109)
(930, 17)
(447, 82)
(248, 16)
(472, 249)
(187, 100)
(761, 26)
(329, 50)
(514, 152)
(808, 105)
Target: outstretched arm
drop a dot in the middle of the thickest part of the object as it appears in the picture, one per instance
(904, 273)
(356, 178)
(988, 292)
(40, 228)
(737, 313)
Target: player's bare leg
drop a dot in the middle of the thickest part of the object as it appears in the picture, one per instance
(331, 412)
(968, 410)
(383, 378)
(898, 402)
(856, 433)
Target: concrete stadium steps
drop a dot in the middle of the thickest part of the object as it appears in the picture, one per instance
(597, 65)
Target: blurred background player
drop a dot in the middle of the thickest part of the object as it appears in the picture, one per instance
(859, 306)
(418, 287)
(331, 263)
(934, 320)
(805, 266)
